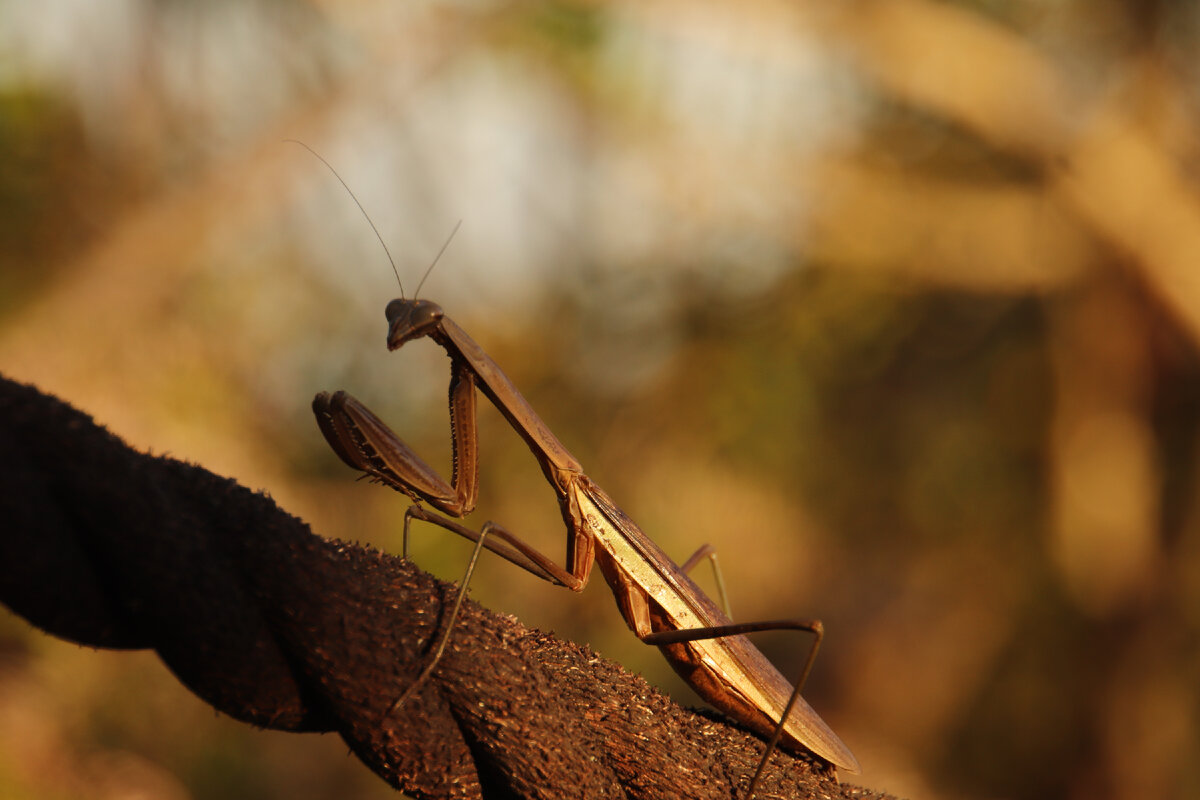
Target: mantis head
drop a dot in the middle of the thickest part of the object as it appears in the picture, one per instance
(411, 319)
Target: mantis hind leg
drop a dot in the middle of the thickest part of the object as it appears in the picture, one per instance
(716, 632)
(710, 552)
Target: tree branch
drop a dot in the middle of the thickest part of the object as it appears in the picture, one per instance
(280, 628)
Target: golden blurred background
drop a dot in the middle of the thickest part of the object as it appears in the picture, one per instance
(895, 302)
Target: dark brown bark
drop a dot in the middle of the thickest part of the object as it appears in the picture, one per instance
(280, 628)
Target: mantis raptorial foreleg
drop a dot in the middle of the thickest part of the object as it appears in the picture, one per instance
(364, 442)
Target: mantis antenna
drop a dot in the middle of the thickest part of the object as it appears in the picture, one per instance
(368, 217)
(449, 238)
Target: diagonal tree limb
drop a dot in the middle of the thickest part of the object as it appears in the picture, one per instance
(280, 628)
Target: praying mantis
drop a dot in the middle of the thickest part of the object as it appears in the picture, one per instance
(657, 599)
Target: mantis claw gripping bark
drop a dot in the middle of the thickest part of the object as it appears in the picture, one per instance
(659, 602)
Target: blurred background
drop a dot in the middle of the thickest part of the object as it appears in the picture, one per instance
(894, 302)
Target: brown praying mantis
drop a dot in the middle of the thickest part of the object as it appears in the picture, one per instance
(659, 602)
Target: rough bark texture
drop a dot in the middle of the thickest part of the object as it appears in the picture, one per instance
(283, 629)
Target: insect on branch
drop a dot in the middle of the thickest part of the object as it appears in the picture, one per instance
(281, 628)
